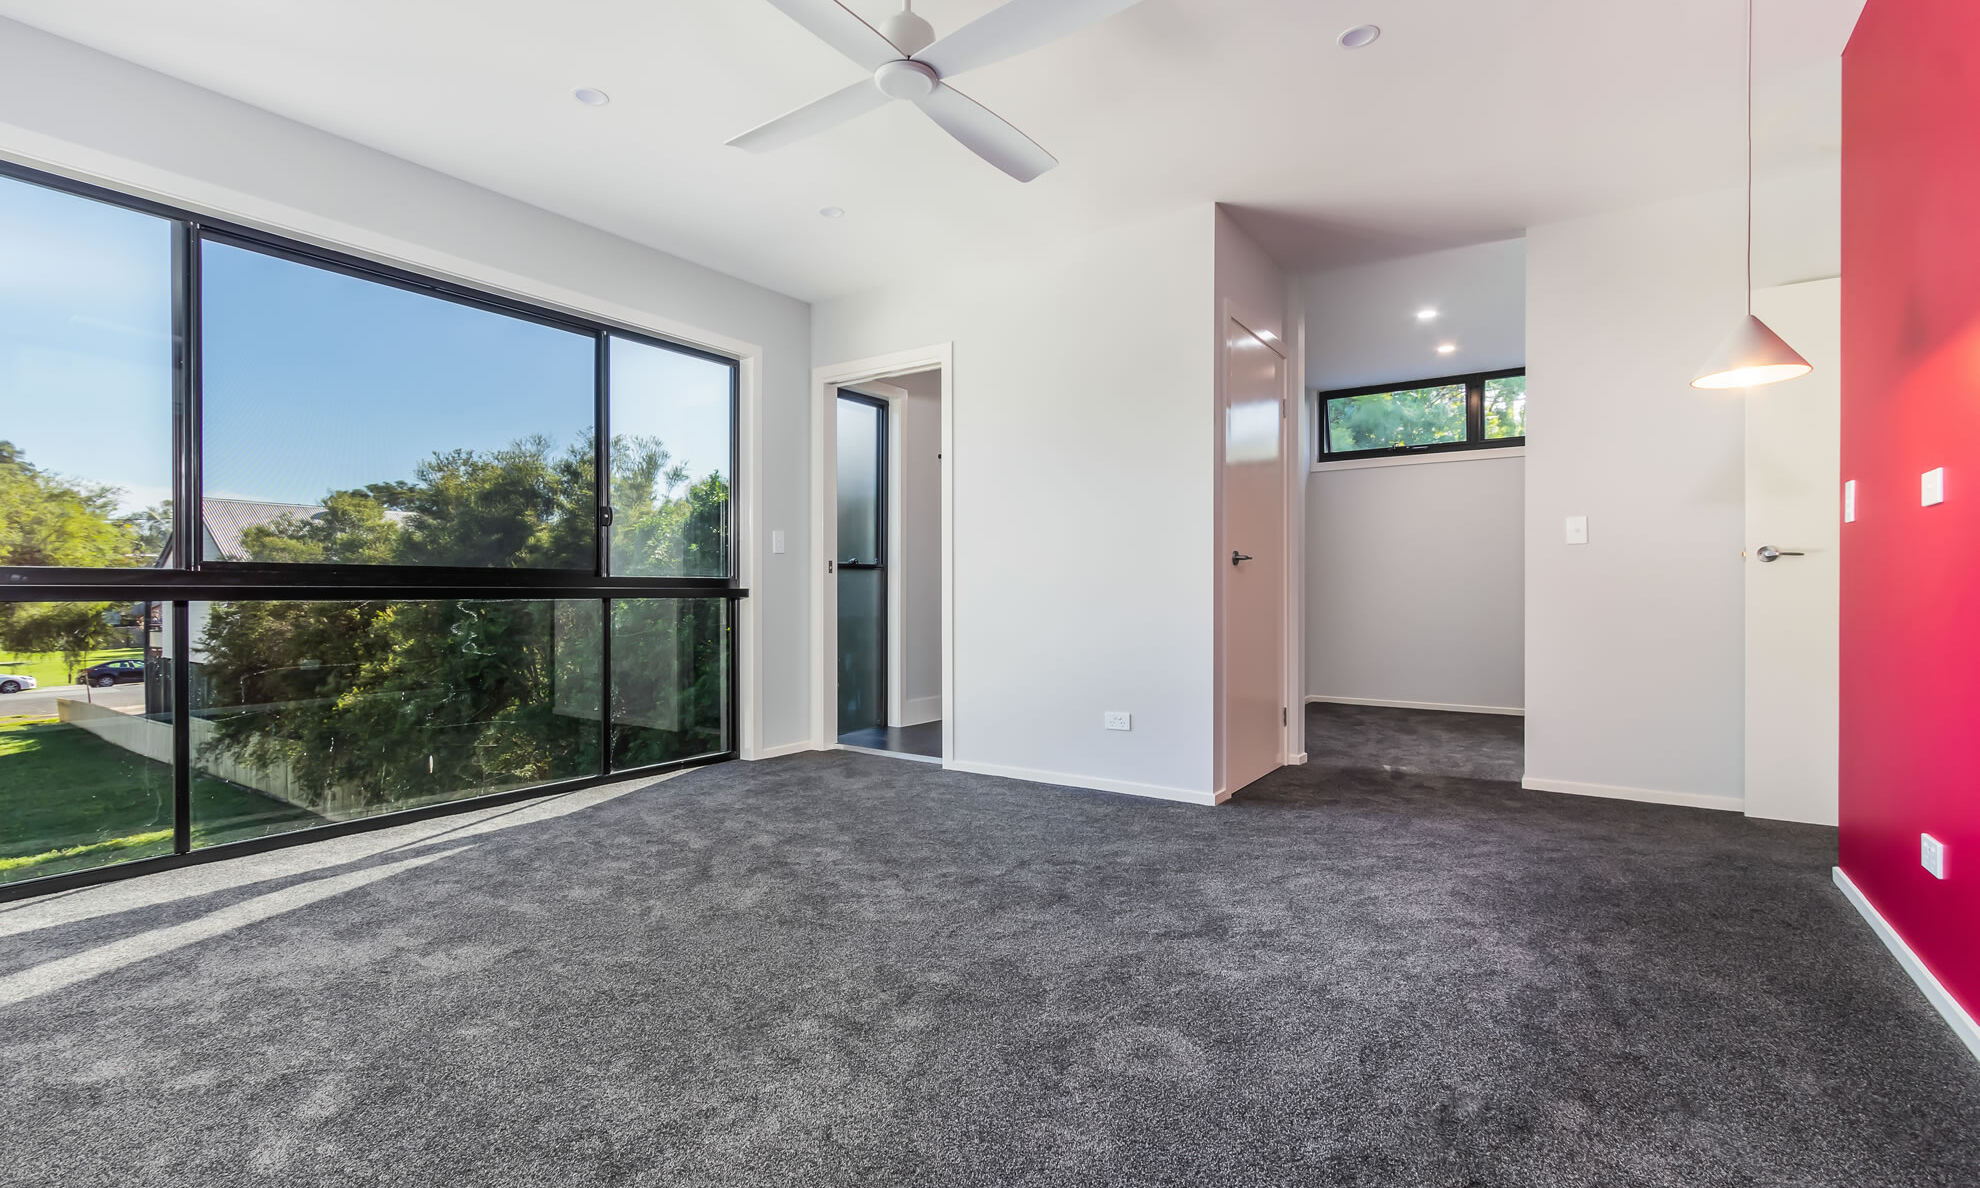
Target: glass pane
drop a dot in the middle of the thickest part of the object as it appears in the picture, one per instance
(670, 680)
(672, 426)
(85, 735)
(309, 712)
(85, 381)
(860, 426)
(349, 421)
(862, 649)
(1393, 420)
(1505, 407)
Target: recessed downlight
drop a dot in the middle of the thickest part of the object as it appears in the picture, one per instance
(591, 96)
(833, 212)
(1447, 348)
(1359, 36)
(1426, 314)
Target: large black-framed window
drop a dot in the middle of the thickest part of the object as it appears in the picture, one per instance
(294, 543)
(1477, 411)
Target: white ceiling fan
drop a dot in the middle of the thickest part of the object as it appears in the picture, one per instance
(909, 62)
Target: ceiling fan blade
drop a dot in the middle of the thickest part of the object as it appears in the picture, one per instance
(1011, 30)
(813, 118)
(986, 134)
(839, 27)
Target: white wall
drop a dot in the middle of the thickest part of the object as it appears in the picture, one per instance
(1415, 584)
(921, 546)
(1635, 641)
(1415, 568)
(73, 110)
(1082, 486)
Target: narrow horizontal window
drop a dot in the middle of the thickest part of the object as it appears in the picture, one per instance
(1463, 412)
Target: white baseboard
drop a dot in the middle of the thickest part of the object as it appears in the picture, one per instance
(1508, 710)
(916, 710)
(1097, 783)
(1730, 804)
(781, 750)
(1297, 759)
(1935, 991)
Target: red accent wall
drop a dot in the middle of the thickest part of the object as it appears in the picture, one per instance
(1911, 402)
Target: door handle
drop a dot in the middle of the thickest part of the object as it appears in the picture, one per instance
(1770, 553)
(1237, 556)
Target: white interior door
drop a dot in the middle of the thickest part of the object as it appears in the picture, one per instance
(1254, 558)
(1793, 459)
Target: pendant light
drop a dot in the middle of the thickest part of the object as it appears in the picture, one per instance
(1752, 354)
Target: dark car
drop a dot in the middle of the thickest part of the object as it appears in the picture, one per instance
(113, 672)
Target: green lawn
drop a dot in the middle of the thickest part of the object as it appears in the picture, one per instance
(46, 667)
(69, 800)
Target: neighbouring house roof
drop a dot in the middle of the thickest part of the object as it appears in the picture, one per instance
(228, 519)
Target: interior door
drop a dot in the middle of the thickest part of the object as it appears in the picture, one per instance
(1793, 459)
(862, 562)
(1254, 560)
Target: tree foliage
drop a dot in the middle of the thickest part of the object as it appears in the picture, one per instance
(46, 519)
(1422, 416)
(377, 703)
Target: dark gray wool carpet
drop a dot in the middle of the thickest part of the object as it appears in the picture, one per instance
(1391, 967)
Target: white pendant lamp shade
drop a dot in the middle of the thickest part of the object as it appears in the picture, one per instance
(1750, 356)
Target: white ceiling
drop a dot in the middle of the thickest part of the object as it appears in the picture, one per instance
(1467, 121)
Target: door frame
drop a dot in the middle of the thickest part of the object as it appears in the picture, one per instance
(867, 374)
(1291, 421)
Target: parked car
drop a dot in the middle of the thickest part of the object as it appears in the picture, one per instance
(14, 682)
(113, 672)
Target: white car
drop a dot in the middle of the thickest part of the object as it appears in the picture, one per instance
(15, 682)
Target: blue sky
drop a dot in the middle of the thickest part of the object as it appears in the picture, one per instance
(313, 381)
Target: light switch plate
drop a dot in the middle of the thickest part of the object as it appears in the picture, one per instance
(1119, 720)
(1577, 529)
(1932, 487)
(777, 541)
(1932, 855)
(1849, 502)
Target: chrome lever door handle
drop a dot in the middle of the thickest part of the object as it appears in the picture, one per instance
(1237, 556)
(1770, 553)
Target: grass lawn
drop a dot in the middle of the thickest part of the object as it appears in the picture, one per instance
(69, 800)
(47, 669)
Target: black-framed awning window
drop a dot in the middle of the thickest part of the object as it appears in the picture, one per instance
(294, 542)
(1478, 411)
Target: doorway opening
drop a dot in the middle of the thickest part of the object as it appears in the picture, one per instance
(883, 532)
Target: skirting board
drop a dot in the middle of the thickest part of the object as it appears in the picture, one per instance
(1508, 710)
(1730, 804)
(1096, 783)
(1935, 992)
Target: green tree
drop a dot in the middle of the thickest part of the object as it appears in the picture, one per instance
(48, 520)
(370, 704)
(72, 629)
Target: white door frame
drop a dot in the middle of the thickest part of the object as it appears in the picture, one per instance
(825, 383)
(1293, 730)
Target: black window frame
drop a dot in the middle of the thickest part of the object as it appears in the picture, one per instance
(1474, 417)
(182, 577)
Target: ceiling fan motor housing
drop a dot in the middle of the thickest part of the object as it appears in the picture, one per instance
(905, 79)
(909, 33)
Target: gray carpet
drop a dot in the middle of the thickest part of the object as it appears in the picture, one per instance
(1392, 967)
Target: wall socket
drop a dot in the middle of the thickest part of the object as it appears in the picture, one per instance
(1119, 720)
(1932, 487)
(1932, 855)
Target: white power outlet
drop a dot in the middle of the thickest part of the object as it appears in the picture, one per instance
(1932, 487)
(1577, 530)
(777, 540)
(1932, 855)
(1849, 502)
(1120, 720)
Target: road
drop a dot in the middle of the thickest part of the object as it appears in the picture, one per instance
(40, 703)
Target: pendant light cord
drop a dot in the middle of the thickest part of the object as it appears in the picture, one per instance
(1749, 158)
